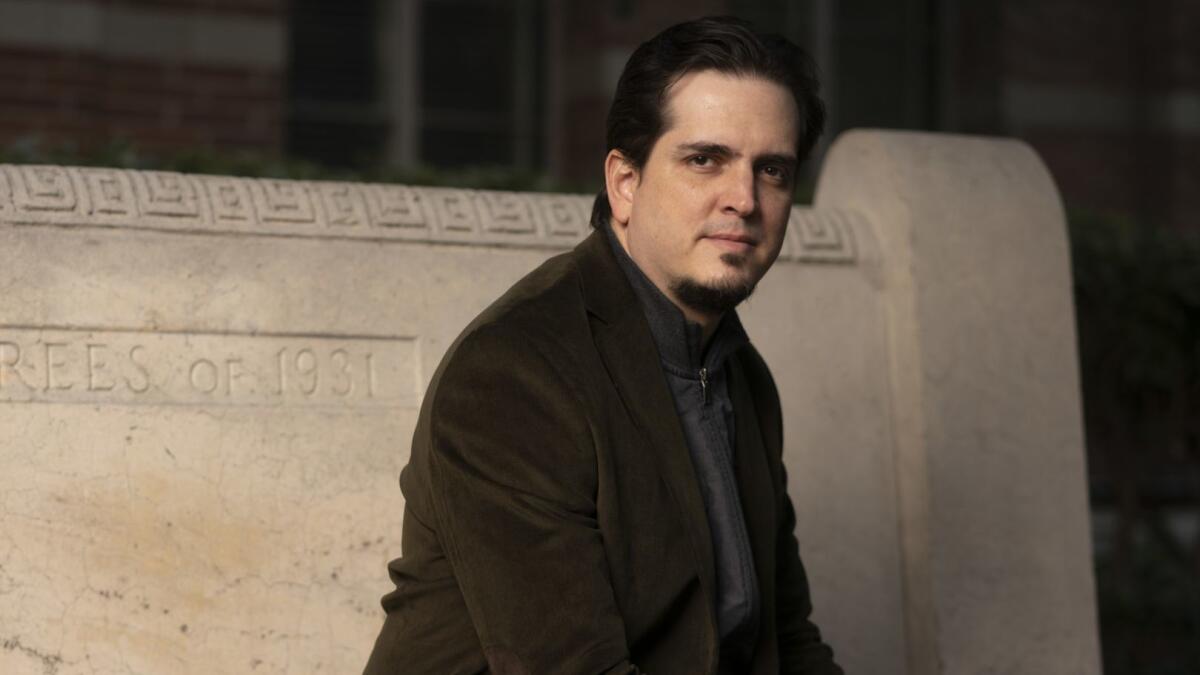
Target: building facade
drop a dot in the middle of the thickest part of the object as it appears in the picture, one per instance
(1108, 91)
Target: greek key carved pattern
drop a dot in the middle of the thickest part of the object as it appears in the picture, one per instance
(820, 235)
(54, 195)
(41, 188)
(565, 217)
(283, 201)
(109, 191)
(160, 193)
(228, 200)
(505, 213)
(343, 204)
(396, 206)
(453, 210)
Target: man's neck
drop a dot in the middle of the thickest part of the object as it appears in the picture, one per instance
(708, 322)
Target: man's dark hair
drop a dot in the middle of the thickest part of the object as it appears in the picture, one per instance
(725, 44)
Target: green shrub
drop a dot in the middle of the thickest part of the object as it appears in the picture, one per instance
(1137, 291)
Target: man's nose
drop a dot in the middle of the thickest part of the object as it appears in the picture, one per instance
(740, 195)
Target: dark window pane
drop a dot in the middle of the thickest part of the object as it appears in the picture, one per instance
(333, 112)
(467, 56)
(466, 148)
(332, 50)
(338, 144)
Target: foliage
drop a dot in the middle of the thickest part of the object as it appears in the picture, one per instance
(1137, 291)
(125, 155)
(1138, 288)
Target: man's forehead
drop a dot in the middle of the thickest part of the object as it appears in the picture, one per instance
(701, 107)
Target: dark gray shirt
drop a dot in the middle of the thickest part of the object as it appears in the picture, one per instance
(698, 381)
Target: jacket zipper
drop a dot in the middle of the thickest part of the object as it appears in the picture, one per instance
(704, 384)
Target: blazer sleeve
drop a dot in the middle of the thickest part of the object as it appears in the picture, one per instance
(801, 650)
(513, 474)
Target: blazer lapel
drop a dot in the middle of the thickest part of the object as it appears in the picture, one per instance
(627, 348)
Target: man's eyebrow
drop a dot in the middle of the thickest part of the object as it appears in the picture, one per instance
(721, 150)
(787, 159)
(707, 148)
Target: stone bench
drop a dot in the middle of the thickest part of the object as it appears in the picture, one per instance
(208, 386)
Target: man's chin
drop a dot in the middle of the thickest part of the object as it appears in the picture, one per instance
(714, 297)
(735, 260)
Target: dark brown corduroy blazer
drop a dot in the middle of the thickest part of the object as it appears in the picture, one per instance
(553, 521)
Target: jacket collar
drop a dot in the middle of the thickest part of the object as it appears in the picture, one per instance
(679, 341)
(606, 293)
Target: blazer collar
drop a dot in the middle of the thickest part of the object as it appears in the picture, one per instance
(606, 293)
(627, 348)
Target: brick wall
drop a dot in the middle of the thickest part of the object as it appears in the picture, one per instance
(1109, 93)
(192, 82)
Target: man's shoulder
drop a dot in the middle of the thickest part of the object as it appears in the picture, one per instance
(538, 323)
(548, 294)
(506, 384)
(543, 308)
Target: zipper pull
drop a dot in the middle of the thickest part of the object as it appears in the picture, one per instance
(704, 384)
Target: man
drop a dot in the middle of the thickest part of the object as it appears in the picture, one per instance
(596, 483)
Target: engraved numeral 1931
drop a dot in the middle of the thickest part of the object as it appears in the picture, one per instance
(309, 372)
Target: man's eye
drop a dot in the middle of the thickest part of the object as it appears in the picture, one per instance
(775, 172)
(701, 160)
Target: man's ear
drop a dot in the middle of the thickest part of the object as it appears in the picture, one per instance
(621, 181)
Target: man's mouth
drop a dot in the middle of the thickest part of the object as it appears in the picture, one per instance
(733, 241)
